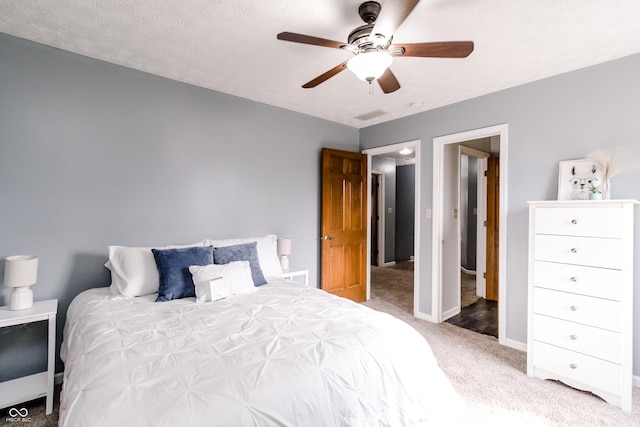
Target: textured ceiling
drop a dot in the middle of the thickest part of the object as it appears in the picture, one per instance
(231, 46)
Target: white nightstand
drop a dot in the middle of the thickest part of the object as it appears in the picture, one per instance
(37, 385)
(290, 273)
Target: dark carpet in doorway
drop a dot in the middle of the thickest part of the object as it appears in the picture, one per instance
(481, 316)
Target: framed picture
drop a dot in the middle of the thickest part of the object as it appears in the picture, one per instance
(577, 179)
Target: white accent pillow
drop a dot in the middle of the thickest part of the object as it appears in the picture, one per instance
(236, 275)
(133, 269)
(267, 254)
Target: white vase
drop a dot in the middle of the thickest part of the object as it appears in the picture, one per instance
(606, 189)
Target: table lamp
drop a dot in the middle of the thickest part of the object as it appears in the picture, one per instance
(20, 272)
(284, 250)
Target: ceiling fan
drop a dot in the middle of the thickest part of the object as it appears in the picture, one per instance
(372, 47)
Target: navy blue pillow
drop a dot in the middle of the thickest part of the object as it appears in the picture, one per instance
(243, 252)
(173, 267)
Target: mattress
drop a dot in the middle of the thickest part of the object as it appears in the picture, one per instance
(285, 355)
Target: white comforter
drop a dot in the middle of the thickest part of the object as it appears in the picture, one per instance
(284, 355)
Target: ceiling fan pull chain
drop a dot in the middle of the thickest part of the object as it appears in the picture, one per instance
(370, 88)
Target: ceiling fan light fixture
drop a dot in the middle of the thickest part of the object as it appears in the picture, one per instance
(369, 66)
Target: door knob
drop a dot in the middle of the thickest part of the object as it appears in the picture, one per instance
(327, 238)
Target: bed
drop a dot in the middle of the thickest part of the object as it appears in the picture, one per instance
(283, 354)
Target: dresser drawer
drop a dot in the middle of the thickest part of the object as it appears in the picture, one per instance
(601, 313)
(587, 251)
(592, 222)
(589, 370)
(595, 282)
(584, 339)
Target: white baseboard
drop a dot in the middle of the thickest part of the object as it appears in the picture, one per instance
(388, 264)
(518, 345)
(469, 272)
(423, 316)
(446, 315)
(636, 381)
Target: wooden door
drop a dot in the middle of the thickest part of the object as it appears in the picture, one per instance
(344, 224)
(493, 227)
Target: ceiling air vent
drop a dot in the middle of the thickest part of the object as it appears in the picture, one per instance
(371, 115)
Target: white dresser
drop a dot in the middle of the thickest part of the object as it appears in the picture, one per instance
(581, 295)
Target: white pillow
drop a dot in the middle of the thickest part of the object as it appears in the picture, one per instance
(267, 254)
(133, 269)
(236, 275)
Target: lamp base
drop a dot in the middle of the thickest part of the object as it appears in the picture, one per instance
(284, 262)
(21, 298)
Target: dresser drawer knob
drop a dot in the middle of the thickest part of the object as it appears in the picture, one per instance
(574, 250)
(574, 308)
(574, 279)
(573, 337)
(574, 221)
(573, 366)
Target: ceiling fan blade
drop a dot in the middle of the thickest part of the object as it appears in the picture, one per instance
(392, 15)
(325, 76)
(316, 41)
(388, 82)
(436, 49)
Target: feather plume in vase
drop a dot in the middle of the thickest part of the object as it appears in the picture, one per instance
(611, 162)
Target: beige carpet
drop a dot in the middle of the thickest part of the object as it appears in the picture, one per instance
(467, 290)
(492, 378)
(35, 416)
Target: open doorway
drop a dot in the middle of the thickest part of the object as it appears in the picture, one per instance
(392, 272)
(446, 248)
(478, 308)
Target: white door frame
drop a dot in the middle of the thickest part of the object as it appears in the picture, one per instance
(415, 145)
(438, 232)
(481, 216)
(450, 220)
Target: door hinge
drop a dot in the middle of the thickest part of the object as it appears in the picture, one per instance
(484, 275)
(484, 223)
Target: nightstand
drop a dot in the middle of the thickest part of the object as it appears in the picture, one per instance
(290, 273)
(37, 385)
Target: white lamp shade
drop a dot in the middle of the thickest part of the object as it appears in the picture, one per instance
(284, 247)
(370, 66)
(20, 270)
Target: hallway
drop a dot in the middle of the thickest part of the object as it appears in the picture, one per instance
(477, 314)
(395, 285)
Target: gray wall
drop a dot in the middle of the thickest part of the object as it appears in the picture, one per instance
(559, 118)
(93, 154)
(405, 211)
